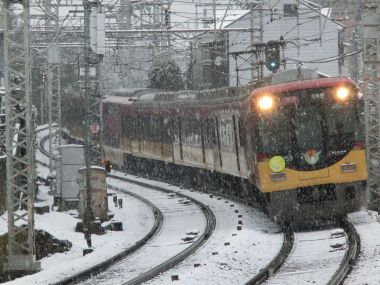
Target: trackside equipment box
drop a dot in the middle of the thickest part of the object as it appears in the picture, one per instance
(72, 161)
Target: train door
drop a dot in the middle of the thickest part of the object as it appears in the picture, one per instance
(218, 162)
(191, 140)
(127, 132)
(209, 144)
(239, 144)
(227, 146)
(136, 133)
(166, 138)
(176, 139)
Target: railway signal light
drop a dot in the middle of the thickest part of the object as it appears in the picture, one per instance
(272, 56)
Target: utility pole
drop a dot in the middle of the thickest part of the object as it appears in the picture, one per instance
(20, 163)
(371, 53)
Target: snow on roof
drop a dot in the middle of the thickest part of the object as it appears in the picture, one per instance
(326, 12)
(226, 18)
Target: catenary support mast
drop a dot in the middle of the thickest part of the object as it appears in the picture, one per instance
(19, 132)
(54, 96)
(371, 53)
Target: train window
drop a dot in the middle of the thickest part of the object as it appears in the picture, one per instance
(191, 132)
(307, 121)
(343, 125)
(166, 131)
(209, 132)
(275, 134)
(135, 127)
(127, 126)
(240, 131)
(176, 130)
(226, 132)
(144, 127)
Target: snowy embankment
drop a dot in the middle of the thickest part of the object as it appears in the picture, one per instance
(366, 271)
(135, 215)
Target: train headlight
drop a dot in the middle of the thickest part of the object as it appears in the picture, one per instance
(342, 93)
(265, 103)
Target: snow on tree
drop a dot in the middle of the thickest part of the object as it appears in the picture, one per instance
(166, 76)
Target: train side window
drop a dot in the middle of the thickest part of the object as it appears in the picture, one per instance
(127, 126)
(166, 129)
(191, 132)
(241, 132)
(210, 138)
(134, 126)
(144, 127)
(176, 129)
(226, 132)
(154, 129)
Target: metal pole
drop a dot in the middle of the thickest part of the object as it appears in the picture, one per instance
(88, 215)
(20, 163)
(371, 52)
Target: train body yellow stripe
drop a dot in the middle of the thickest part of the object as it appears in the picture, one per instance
(330, 175)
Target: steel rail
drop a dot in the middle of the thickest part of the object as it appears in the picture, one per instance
(351, 256)
(269, 270)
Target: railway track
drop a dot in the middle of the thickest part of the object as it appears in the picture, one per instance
(351, 256)
(320, 257)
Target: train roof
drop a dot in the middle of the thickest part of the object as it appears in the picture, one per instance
(283, 80)
(183, 97)
(304, 84)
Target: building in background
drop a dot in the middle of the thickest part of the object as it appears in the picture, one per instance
(319, 38)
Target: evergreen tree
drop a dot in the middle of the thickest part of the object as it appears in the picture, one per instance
(165, 76)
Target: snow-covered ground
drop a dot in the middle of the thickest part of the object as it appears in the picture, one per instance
(137, 220)
(313, 259)
(367, 270)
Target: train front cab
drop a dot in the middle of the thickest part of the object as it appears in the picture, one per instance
(310, 157)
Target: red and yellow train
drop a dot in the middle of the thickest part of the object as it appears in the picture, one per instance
(294, 140)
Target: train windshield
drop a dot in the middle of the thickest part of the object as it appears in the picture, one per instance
(308, 129)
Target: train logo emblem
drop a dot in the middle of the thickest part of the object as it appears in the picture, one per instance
(277, 164)
(311, 156)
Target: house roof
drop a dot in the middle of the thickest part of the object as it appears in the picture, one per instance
(225, 18)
